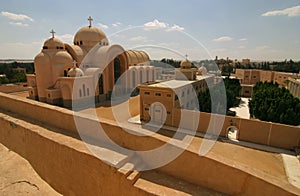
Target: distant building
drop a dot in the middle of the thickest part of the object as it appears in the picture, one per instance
(245, 62)
(249, 77)
(158, 101)
(293, 85)
(19, 69)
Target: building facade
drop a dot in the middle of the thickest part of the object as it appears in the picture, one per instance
(159, 101)
(293, 85)
(249, 77)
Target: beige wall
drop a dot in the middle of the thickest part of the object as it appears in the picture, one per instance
(90, 175)
(252, 76)
(12, 88)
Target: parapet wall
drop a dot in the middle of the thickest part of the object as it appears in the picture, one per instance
(12, 88)
(74, 171)
(250, 130)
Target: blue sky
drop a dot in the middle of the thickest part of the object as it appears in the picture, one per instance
(259, 30)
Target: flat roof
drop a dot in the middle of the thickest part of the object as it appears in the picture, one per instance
(173, 84)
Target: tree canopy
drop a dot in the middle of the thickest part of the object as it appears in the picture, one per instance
(232, 88)
(271, 103)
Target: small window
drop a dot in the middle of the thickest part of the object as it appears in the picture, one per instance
(80, 42)
(147, 109)
(147, 93)
(80, 93)
(157, 94)
(247, 92)
(88, 91)
(45, 47)
(176, 97)
(182, 94)
(168, 95)
(168, 112)
(254, 76)
(49, 95)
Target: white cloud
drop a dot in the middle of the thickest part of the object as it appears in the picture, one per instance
(18, 17)
(19, 24)
(242, 47)
(223, 39)
(116, 24)
(175, 28)
(263, 47)
(103, 26)
(243, 39)
(65, 37)
(292, 11)
(137, 38)
(155, 24)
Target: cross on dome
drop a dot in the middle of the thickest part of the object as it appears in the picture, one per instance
(74, 64)
(186, 56)
(90, 19)
(52, 32)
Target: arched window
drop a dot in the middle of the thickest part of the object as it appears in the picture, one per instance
(117, 69)
(147, 75)
(153, 75)
(141, 76)
(83, 87)
(100, 84)
(133, 79)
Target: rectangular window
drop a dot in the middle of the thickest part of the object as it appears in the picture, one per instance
(168, 95)
(147, 109)
(247, 92)
(182, 94)
(157, 94)
(88, 91)
(168, 112)
(147, 93)
(176, 97)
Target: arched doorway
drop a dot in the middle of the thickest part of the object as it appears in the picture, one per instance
(133, 79)
(232, 133)
(100, 84)
(117, 69)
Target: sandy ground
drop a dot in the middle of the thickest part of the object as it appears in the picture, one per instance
(17, 177)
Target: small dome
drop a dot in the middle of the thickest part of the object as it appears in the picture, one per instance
(53, 43)
(202, 70)
(75, 72)
(185, 64)
(90, 36)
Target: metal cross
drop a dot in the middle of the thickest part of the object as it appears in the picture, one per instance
(52, 32)
(74, 64)
(186, 56)
(90, 20)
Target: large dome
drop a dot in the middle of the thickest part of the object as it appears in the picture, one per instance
(53, 43)
(90, 36)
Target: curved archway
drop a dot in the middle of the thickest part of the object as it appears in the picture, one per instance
(232, 133)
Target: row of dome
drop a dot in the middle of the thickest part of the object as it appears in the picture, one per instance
(87, 36)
